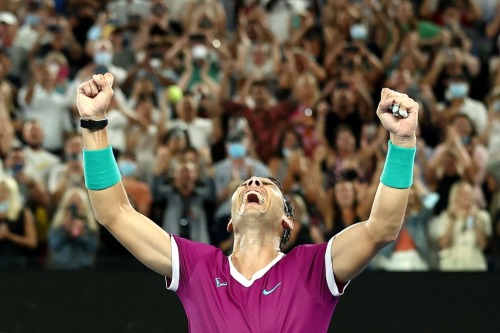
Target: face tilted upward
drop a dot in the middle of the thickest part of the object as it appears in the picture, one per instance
(258, 199)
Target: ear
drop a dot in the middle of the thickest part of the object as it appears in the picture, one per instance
(287, 222)
(230, 226)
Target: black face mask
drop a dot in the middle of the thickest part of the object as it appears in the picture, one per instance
(350, 174)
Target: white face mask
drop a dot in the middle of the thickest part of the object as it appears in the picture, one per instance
(199, 52)
(140, 56)
(103, 58)
(4, 207)
(358, 31)
(53, 69)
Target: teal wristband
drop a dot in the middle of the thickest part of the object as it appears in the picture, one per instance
(398, 168)
(100, 169)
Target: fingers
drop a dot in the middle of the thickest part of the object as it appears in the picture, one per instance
(397, 103)
(104, 82)
(89, 88)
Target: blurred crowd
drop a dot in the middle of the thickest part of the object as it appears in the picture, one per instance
(210, 92)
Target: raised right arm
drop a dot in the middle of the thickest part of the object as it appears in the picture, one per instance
(142, 237)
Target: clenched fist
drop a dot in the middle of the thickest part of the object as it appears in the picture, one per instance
(93, 96)
(402, 129)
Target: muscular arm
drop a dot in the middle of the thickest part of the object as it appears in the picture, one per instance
(142, 237)
(353, 248)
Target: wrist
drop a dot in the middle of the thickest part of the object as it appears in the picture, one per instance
(403, 141)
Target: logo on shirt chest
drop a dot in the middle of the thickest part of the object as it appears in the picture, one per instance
(220, 283)
(266, 292)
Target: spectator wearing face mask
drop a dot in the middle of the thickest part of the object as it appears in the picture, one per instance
(102, 62)
(236, 166)
(457, 101)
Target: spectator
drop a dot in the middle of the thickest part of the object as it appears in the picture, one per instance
(170, 152)
(73, 236)
(411, 251)
(265, 119)
(462, 232)
(17, 227)
(304, 232)
(185, 205)
(236, 167)
(138, 191)
(202, 132)
(38, 160)
(42, 101)
(471, 157)
(69, 173)
(459, 102)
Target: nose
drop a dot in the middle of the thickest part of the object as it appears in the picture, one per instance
(254, 181)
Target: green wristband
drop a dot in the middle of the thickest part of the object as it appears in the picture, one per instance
(100, 169)
(398, 168)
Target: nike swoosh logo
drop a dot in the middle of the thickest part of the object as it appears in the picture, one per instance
(267, 292)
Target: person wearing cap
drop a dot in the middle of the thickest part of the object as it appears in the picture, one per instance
(257, 288)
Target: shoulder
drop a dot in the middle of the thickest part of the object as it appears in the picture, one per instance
(308, 251)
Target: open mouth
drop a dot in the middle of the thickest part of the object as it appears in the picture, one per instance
(253, 197)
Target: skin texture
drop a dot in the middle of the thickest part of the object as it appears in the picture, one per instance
(257, 227)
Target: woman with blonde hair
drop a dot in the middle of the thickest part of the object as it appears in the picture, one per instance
(74, 232)
(462, 231)
(17, 226)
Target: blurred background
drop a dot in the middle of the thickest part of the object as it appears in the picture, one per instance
(209, 92)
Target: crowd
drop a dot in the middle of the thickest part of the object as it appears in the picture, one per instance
(210, 92)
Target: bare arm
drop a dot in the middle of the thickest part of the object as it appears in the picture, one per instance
(29, 240)
(142, 237)
(353, 248)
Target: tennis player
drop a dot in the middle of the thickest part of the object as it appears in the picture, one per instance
(257, 288)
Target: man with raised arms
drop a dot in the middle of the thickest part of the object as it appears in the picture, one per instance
(257, 288)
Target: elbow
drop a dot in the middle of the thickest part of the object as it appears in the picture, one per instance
(109, 217)
(383, 233)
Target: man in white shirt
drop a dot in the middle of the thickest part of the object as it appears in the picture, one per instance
(38, 160)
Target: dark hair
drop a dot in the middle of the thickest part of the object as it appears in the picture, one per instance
(289, 212)
(281, 140)
(165, 138)
(464, 116)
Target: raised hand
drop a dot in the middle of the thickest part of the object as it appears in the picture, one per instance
(402, 130)
(93, 96)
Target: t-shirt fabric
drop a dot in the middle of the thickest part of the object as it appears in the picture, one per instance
(296, 292)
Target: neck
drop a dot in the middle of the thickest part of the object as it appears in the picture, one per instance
(254, 250)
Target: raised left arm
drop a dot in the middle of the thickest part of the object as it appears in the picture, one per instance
(353, 248)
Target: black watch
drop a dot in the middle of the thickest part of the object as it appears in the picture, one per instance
(93, 125)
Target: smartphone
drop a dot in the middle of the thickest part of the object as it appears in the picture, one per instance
(101, 69)
(351, 48)
(54, 28)
(197, 38)
(296, 21)
(73, 210)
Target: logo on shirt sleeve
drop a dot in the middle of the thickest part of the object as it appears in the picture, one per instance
(267, 292)
(219, 283)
